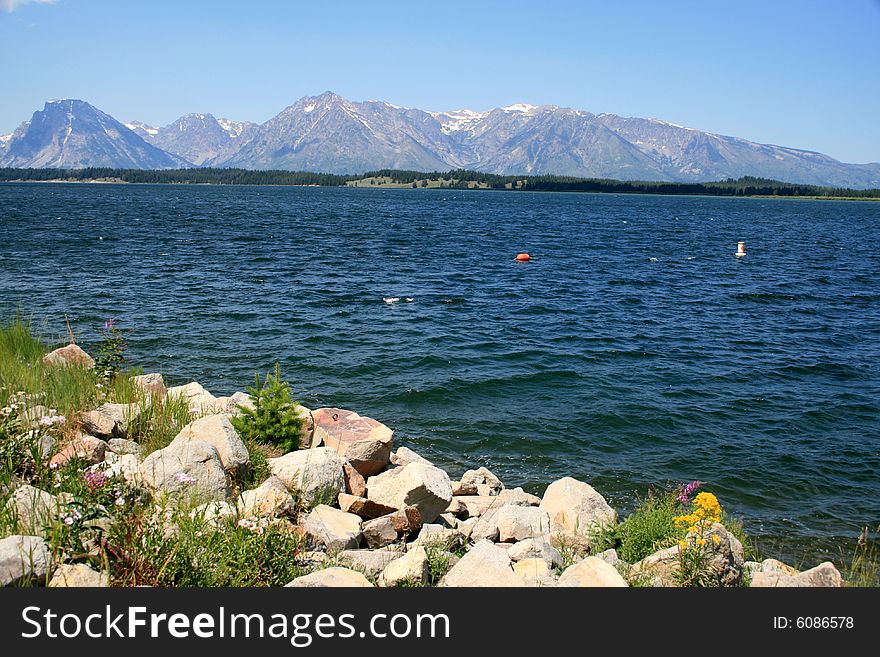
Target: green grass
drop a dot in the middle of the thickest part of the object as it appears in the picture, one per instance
(648, 529)
(863, 567)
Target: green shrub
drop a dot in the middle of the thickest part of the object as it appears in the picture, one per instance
(109, 355)
(649, 528)
(274, 419)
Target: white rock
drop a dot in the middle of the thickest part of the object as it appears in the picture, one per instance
(574, 507)
(315, 474)
(33, 508)
(190, 472)
(336, 529)
(404, 456)
(423, 486)
(535, 548)
(78, 575)
(369, 562)
(24, 559)
(412, 567)
(517, 523)
(484, 565)
(270, 500)
(482, 476)
(535, 572)
(592, 571)
(331, 577)
(217, 431)
(151, 384)
(200, 401)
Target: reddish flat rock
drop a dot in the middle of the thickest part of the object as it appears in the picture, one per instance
(364, 442)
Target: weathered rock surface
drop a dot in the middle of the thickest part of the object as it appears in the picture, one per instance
(404, 456)
(33, 508)
(331, 577)
(534, 572)
(369, 562)
(361, 506)
(482, 476)
(335, 529)
(459, 488)
(217, 431)
(83, 447)
(438, 536)
(69, 355)
(78, 575)
(355, 484)
(485, 564)
(271, 499)
(517, 523)
(380, 532)
(200, 401)
(423, 486)
(151, 384)
(412, 568)
(823, 575)
(574, 507)
(535, 548)
(364, 442)
(122, 446)
(592, 571)
(126, 466)
(518, 497)
(190, 472)
(24, 559)
(315, 474)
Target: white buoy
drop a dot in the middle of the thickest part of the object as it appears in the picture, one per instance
(740, 249)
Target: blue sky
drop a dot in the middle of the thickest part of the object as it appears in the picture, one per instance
(799, 73)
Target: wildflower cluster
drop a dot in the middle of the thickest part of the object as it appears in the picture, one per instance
(255, 525)
(686, 490)
(706, 510)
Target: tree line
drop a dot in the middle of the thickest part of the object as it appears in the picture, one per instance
(461, 178)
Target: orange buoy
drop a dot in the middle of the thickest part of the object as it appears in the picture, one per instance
(523, 257)
(740, 249)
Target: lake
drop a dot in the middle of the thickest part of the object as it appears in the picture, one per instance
(633, 350)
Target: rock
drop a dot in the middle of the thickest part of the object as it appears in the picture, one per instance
(518, 497)
(369, 562)
(46, 444)
(200, 401)
(517, 523)
(380, 532)
(774, 567)
(33, 508)
(190, 472)
(459, 488)
(823, 575)
(364, 442)
(412, 568)
(151, 384)
(217, 431)
(214, 513)
(122, 446)
(24, 559)
(404, 456)
(482, 476)
(99, 424)
(69, 355)
(484, 565)
(535, 572)
(335, 529)
(535, 548)
(658, 569)
(610, 557)
(422, 486)
(438, 536)
(355, 484)
(447, 520)
(238, 401)
(316, 475)
(331, 577)
(125, 466)
(592, 571)
(76, 575)
(83, 447)
(360, 506)
(466, 527)
(574, 507)
(270, 500)
(407, 521)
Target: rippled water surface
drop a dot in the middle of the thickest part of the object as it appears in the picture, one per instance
(634, 349)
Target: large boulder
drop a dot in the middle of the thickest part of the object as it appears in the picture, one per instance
(217, 431)
(331, 577)
(592, 571)
(483, 479)
(335, 529)
(362, 441)
(423, 486)
(190, 472)
(574, 507)
(150, 384)
(316, 475)
(82, 447)
(380, 532)
(404, 456)
(113, 420)
(69, 355)
(78, 575)
(270, 500)
(485, 565)
(25, 559)
(412, 568)
(517, 523)
(199, 400)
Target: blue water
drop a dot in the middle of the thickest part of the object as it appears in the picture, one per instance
(634, 349)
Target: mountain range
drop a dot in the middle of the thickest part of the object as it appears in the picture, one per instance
(328, 133)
